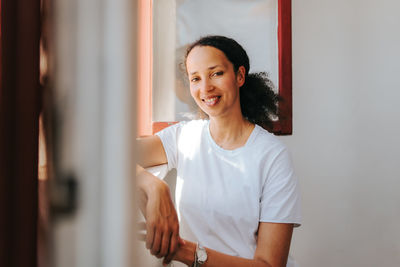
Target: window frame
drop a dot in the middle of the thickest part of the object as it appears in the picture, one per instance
(20, 104)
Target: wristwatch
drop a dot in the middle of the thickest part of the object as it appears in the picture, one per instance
(200, 256)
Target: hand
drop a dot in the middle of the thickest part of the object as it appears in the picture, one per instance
(172, 256)
(185, 253)
(142, 236)
(162, 226)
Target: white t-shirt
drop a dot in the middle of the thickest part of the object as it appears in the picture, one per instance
(222, 195)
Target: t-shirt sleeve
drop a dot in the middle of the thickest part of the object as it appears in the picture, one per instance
(169, 139)
(280, 199)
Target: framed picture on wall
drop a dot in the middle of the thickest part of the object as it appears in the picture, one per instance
(262, 27)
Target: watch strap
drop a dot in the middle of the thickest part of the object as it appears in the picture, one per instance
(195, 264)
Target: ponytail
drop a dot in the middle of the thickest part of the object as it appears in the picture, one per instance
(258, 101)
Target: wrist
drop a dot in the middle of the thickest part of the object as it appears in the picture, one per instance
(150, 184)
(186, 253)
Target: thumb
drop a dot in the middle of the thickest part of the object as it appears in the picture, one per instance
(181, 242)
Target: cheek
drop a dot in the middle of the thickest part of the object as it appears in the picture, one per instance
(193, 91)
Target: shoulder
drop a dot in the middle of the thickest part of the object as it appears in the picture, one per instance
(267, 141)
(184, 132)
(193, 127)
(194, 123)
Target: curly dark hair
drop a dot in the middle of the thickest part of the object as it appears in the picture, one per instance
(258, 101)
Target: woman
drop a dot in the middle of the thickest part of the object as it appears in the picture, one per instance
(237, 195)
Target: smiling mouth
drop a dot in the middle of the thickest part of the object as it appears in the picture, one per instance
(211, 101)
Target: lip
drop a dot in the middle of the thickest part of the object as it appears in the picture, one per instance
(211, 100)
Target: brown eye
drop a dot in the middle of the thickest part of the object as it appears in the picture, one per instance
(194, 79)
(218, 73)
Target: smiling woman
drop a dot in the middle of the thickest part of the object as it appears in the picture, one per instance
(237, 195)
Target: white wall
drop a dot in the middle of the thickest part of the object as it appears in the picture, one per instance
(346, 134)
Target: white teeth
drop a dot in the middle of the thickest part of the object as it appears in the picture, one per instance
(210, 100)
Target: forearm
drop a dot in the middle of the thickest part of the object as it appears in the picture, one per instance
(186, 253)
(143, 179)
(151, 188)
(144, 187)
(162, 226)
(147, 182)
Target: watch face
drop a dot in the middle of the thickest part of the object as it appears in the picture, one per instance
(201, 255)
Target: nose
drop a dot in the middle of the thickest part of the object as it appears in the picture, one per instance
(207, 85)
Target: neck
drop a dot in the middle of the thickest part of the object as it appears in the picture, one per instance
(230, 133)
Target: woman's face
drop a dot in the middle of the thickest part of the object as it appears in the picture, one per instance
(214, 85)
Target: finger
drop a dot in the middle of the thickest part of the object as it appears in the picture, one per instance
(150, 236)
(181, 242)
(165, 263)
(172, 249)
(157, 243)
(164, 244)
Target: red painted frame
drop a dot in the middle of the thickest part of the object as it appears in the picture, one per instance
(284, 125)
(281, 127)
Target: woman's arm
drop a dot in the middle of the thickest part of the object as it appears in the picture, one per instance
(272, 249)
(162, 224)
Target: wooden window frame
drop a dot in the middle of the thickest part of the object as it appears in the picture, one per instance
(146, 126)
(20, 105)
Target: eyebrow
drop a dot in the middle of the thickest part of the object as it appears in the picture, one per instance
(210, 68)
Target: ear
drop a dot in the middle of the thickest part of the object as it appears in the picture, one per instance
(240, 76)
